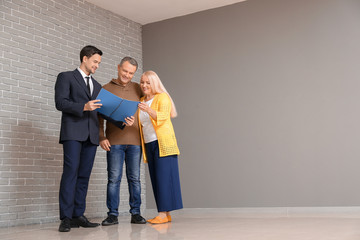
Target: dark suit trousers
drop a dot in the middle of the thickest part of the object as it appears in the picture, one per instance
(78, 163)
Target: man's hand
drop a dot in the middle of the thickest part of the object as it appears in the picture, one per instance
(92, 105)
(129, 121)
(105, 144)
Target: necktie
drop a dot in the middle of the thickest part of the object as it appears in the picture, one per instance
(88, 84)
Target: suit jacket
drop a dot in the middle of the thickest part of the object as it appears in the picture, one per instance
(71, 94)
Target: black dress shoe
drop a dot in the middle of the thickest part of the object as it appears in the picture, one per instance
(137, 219)
(65, 225)
(110, 220)
(82, 221)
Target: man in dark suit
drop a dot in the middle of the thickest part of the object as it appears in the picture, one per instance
(75, 92)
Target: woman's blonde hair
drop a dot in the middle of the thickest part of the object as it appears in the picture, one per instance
(157, 87)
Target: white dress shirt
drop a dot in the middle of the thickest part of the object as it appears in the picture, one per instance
(90, 80)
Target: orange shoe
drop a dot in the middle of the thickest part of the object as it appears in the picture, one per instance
(169, 218)
(158, 220)
(149, 220)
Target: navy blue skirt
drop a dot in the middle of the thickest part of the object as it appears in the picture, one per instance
(165, 180)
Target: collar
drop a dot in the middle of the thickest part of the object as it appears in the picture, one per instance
(83, 74)
(117, 82)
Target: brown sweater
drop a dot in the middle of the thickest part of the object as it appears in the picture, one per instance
(128, 135)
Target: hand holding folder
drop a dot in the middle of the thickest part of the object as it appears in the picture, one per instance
(115, 109)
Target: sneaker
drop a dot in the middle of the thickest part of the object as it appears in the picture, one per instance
(110, 220)
(137, 219)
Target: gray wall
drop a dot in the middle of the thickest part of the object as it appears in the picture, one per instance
(39, 39)
(268, 94)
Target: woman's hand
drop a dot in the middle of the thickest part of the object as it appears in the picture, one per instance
(144, 107)
(129, 121)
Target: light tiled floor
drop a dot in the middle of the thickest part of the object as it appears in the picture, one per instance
(205, 224)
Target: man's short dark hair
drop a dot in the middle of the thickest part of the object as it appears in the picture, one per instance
(130, 60)
(88, 51)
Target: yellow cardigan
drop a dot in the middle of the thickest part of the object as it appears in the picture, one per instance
(163, 127)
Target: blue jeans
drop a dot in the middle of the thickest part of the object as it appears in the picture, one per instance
(131, 155)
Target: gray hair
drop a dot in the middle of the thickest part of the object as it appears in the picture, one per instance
(130, 60)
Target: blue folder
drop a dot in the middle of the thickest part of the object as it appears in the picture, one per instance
(114, 108)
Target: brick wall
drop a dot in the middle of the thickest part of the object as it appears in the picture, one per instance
(39, 39)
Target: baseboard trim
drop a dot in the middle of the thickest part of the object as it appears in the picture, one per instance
(275, 211)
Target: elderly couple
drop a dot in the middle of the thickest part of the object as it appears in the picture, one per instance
(149, 134)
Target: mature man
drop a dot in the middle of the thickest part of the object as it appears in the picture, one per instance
(75, 92)
(123, 145)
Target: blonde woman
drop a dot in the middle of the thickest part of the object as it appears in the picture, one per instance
(159, 145)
